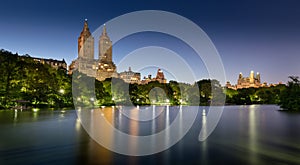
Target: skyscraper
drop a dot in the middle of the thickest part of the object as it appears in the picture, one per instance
(85, 63)
(103, 67)
(86, 43)
(106, 67)
(251, 81)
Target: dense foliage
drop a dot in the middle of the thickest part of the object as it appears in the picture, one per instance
(263, 95)
(115, 91)
(25, 81)
(290, 97)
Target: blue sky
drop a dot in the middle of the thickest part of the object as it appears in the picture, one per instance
(249, 35)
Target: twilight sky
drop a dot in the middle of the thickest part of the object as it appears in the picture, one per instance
(249, 34)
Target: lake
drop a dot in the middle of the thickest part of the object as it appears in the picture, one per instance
(254, 134)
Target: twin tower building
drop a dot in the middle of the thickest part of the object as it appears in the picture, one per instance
(100, 68)
(103, 67)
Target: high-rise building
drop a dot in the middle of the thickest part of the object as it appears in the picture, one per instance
(247, 82)
(104, 66)
(85, 63)
(86, 43)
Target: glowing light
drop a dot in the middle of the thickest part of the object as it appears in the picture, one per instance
(62, 91)
(167, 100)
(203, 112)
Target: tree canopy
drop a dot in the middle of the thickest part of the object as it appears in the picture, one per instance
(39, 85)
(290, 97)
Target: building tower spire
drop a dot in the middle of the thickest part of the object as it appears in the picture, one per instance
(104, 30)
(105, 47)
(86, 42)
(86, 26)
(251, 77)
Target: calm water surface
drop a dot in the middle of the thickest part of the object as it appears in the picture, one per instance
(245, 135)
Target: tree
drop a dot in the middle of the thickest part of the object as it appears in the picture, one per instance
(24, 79)
(290, 96)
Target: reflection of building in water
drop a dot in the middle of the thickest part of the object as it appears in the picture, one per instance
(104, 67)
(248, 82)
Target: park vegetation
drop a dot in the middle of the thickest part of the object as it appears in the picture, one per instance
(290, 96)
(24, 81)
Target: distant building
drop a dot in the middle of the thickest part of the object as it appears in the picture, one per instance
(85, 63)
(247, 82)
(103, 67)
(57, 64)
(160, 77)
(130, 76)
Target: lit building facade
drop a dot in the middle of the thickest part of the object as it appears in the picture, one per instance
(247, 82)
(130, 76)
(104, 67)
(160, 77)
(57, 64)
(85, 63)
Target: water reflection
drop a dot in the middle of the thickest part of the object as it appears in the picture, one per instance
(133, 130)
(35, 115)
(153, 121)
(15, 115)
(78, 125)
(253, 119)
(131, 135)
(245, 135)
(204, 131)
(167, 122)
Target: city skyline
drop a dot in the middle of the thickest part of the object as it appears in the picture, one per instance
(248, 36)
